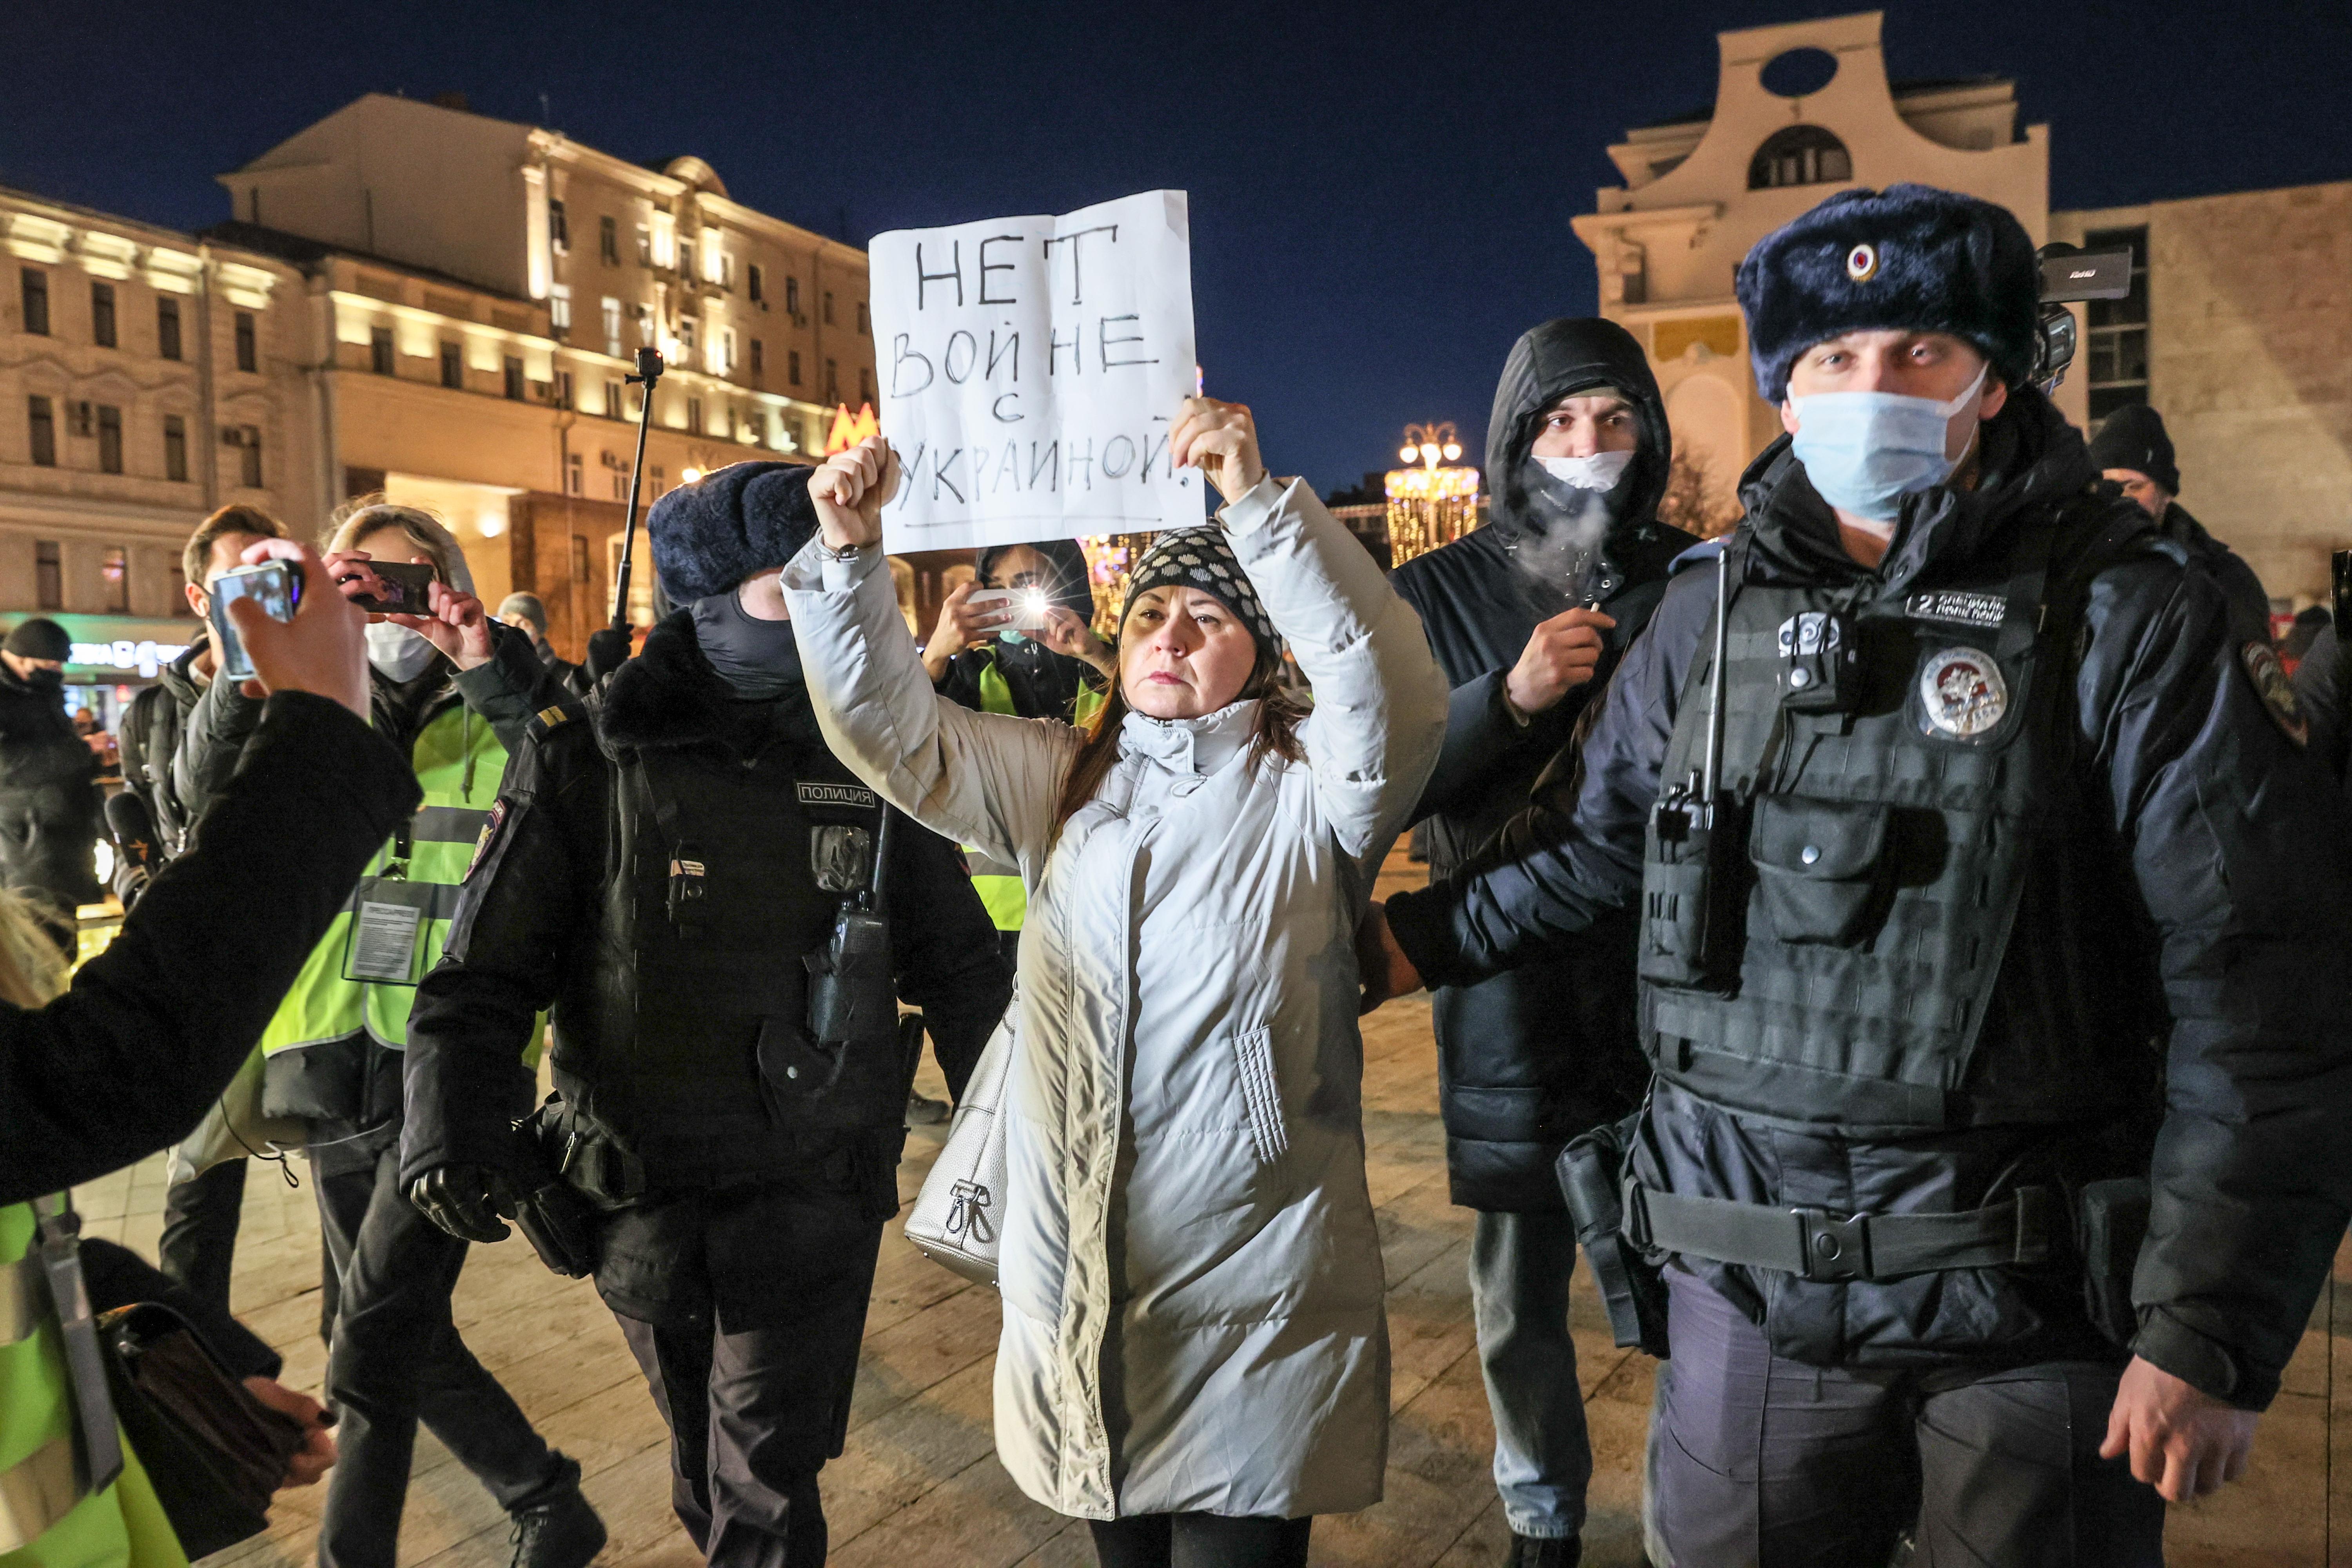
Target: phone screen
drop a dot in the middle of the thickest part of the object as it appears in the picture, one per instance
(407, 589)
(275, 585)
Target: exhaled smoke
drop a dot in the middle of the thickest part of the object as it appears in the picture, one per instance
(1559, 546)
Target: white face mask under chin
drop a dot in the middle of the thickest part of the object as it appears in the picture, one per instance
(398, 652)
(1599, 471)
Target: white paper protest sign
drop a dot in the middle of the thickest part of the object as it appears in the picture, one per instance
(1030, 369)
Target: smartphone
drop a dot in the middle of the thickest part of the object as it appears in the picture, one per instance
(275, 585)
(1028, 605)
(407, 589)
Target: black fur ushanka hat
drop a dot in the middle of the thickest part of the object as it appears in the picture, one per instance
(1909, 257)
(747, 517)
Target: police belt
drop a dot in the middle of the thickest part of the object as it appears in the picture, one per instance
(1820, 1244)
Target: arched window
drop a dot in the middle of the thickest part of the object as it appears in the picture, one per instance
(1800, 155)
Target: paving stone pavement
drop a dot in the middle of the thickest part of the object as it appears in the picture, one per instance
(919, 1485)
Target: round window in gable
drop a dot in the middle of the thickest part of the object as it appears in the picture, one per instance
(1794, 73)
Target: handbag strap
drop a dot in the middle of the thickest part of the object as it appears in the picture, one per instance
(57, 1243)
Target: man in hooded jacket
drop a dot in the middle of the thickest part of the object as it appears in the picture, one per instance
(2016, 927)
(1530, 615)
(665, 877)
(2133, 449)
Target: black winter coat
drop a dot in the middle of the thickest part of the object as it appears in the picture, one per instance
(2323, 690)
(532, 931)
(129, 1060)
(149, 739)
(1529, 1059)
(50, 808)
(2224, 919)
(2249, 602)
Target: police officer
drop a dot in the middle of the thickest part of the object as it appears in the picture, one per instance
(1530, 615)
(2003, 921)
(669, 875)
(2133, 449)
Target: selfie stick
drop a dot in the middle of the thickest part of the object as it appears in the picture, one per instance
(649, 370)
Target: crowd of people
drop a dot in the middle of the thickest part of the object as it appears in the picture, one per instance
(1905, 942)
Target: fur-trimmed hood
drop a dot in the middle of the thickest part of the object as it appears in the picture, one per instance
(669, 696)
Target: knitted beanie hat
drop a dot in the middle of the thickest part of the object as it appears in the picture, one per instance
(1199, 557)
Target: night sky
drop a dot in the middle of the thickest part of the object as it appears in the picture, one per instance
(1381, 193)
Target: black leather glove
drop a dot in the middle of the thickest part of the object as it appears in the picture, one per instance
(607, 651)
(467, 1201)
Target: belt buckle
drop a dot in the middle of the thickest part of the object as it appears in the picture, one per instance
(1834, 1248)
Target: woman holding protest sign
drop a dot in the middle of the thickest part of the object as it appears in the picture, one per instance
(1194, 1355)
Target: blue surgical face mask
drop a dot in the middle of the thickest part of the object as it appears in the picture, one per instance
(1865, 451)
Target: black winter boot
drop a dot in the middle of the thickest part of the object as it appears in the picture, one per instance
(560, 1531)
(1546, 1552)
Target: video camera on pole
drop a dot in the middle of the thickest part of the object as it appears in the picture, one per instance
(2070, 273)
(608, 648)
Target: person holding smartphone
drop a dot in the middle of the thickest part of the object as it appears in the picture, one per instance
(452, 690)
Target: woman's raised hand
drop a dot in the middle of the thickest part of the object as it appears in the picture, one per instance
(850, 491)
(1221, 440)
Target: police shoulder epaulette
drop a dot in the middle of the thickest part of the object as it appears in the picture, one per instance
(555, 717)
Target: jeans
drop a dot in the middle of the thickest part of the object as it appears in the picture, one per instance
(1755, 1459)
(395, 1360)
(1519, 1269)
(1200, 1540)
(200, 1219)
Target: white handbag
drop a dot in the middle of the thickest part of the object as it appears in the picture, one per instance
(960, 1213)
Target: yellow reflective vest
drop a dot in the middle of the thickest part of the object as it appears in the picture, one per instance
(46, 1519)
(460, 763)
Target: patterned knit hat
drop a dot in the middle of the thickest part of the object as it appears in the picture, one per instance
(1199, 557)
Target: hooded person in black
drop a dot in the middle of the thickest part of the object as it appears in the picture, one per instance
(1528, 616)
(50, 819)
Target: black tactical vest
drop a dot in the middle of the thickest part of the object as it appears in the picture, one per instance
(714, 901)
(1884, 835)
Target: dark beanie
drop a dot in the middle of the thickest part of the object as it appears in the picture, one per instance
(745, 518)
(1199, 557)
(38, 638)
(2132, 437)
(1908, 259)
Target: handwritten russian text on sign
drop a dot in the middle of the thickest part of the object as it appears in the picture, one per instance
(1030, 369)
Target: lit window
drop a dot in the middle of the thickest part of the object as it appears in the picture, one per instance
(114, 570)
(559, 310)
(612, 327)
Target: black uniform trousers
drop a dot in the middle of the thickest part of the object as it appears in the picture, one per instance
(1200, 1540)
(198, 1248)
(396, 1359)
(753, 1370)
(1759, 1460)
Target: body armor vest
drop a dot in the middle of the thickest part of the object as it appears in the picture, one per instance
(725, 874)
(1897, 777)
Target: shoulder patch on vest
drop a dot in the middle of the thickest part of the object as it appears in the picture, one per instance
(499, 812)
(1958, 607)
(2261, 663)
(854, 796)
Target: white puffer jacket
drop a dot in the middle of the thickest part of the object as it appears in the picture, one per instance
(1191, 1275)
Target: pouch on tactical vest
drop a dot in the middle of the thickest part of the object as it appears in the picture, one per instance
(1591, 1171)
(1690, 898)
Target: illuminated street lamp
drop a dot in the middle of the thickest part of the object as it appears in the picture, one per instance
(1428, 505)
